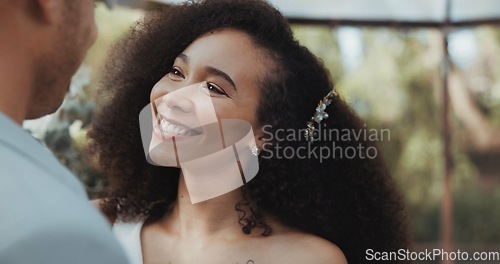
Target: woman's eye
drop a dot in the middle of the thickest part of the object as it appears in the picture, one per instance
(215, 89)
(175, 72)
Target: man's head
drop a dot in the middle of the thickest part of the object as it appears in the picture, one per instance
(70, 32)
(53, 37)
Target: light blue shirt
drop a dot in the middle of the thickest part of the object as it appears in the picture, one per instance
(45, 216)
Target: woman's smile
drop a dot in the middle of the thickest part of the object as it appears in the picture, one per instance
(169, 126)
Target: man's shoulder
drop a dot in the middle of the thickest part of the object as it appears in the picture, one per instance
(62, 240)
(32, 198)
(22, 157)
(45, 222)
(24, 186)
(37, 172)
(33, 201)
(31, 204)
(45, 215)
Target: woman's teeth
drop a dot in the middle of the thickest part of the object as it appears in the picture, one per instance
(166, 127)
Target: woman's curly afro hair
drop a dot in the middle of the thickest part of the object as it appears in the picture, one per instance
(350, 202)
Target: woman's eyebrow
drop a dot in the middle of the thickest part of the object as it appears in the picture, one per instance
(185, 58)
(220, 73)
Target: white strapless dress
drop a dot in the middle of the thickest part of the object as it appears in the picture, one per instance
(129, 236)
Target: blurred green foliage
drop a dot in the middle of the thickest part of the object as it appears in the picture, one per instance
(398, 86)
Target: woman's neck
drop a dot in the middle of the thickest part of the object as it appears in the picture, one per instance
(213, 217)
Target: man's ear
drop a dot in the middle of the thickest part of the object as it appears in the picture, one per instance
(48, 9)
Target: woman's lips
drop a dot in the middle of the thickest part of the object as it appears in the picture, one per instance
(176, 129)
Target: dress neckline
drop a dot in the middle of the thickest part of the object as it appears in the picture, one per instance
(129, 236)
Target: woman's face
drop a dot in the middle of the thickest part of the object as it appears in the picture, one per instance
(214, 78)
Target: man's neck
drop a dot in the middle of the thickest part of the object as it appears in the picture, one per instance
(15, 83)
(14, 97)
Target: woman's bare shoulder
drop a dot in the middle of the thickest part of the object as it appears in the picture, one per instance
(307, 248)
(319, 250)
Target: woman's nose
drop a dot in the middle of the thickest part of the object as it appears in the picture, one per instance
(179, 100)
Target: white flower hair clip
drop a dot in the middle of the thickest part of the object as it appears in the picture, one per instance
(320, 114)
